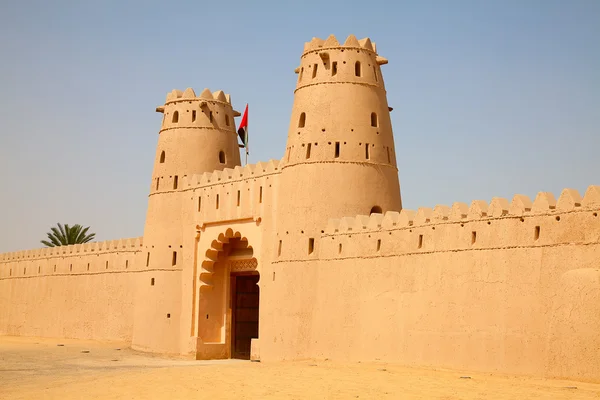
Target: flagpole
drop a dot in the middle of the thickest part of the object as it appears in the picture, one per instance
(247, 135)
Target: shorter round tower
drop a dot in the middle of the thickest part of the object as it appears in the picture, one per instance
(197, 135)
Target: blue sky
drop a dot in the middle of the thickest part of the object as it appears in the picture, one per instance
(491, 98)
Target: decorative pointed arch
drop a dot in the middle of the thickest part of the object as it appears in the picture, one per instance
(219, 250)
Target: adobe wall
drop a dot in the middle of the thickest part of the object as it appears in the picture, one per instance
(505, 287)
(80, 291)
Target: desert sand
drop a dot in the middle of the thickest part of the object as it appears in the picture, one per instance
(35, 368)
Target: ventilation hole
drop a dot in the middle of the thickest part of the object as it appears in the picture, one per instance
(536, 234)
(175, 117)
(522, 219)
(168, 316)
(374, 121)
(473, 237)
(302, 120)
(376, 210)
(279, 248)
(152, 282)
(557, 218)
(162, 157)
(222, 157)
(175, 182)
(595, 214)
(357, 68)
(378, 244)
(420, 241)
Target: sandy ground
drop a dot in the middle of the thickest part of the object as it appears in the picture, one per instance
(33, 368)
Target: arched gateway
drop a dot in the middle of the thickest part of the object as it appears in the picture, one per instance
(228, 303)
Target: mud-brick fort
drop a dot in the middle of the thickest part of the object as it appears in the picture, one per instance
(312, 255)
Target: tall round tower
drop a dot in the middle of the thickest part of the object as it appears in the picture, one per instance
(197, 135)
(340, 156)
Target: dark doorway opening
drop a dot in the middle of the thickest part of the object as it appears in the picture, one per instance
(245, 300)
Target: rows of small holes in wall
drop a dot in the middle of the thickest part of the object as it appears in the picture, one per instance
(164, 260)
(234, 200)
(172, 182)
(198, 114)
(514, 232)
(340, 151)
(339, 66)
(92, 263)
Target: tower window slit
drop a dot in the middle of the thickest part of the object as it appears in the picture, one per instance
(311, 245)
(175, 117)
(238, 198)
(314, 73)
(334, 68)
(199, 203)
(175, 181)
(260, 195)
(193, 115)
(302, 120)
(279, 248)
(162, 157)
(217, 202)
(357, 68)
(374, 121)
(337, 149)
(367, 155)
(388, 155)
(308, 151)
(174, 259)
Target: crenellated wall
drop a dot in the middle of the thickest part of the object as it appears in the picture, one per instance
(80, 291)
(510, 286)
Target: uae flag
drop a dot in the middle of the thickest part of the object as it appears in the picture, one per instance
(243, 129)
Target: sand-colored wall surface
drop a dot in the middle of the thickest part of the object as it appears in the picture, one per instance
(81, 291)
(511, 287)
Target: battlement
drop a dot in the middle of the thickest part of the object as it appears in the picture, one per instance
(328, 62)
(229, 175)
(189, 94)
(317, 44)
(520, 207)
(211, 110)
(130, 244)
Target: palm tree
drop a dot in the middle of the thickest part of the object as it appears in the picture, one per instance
(64, 236)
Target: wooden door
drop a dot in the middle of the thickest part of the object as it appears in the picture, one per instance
(245, 314)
